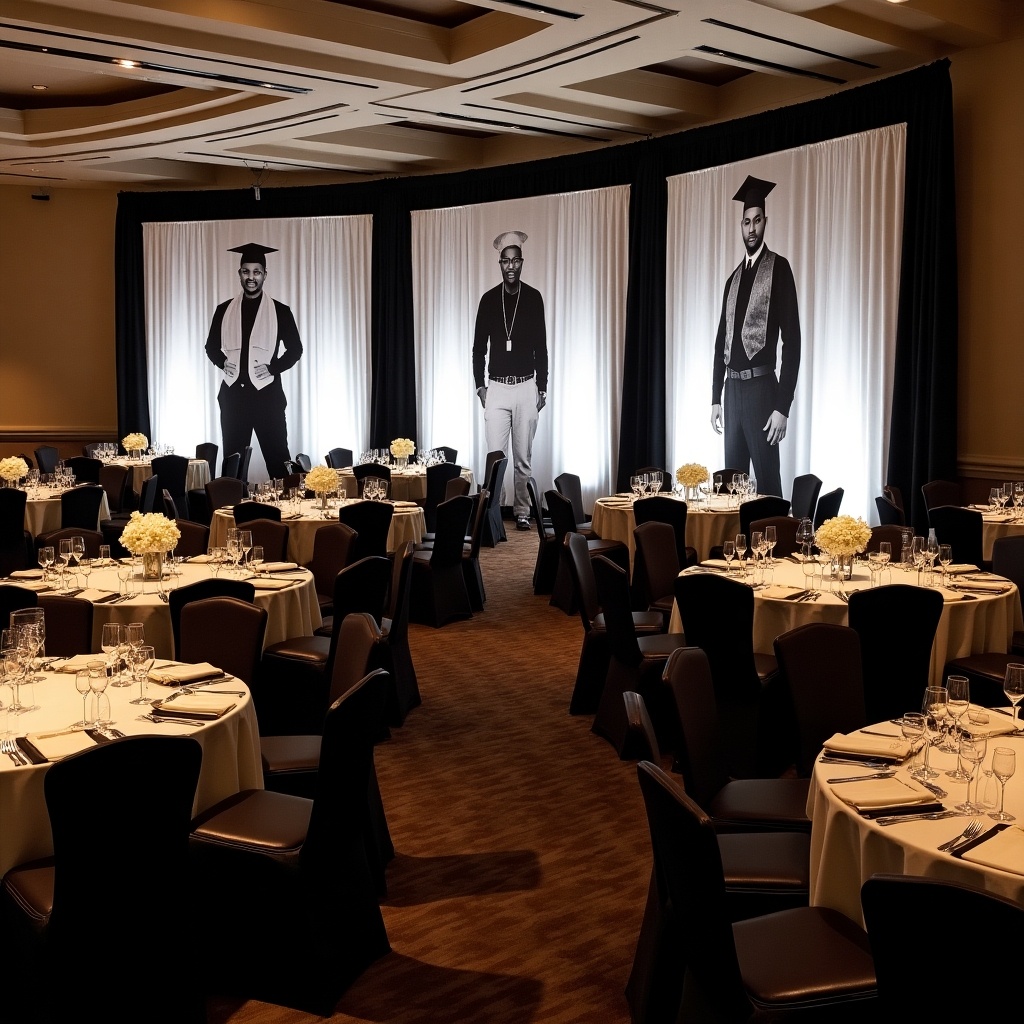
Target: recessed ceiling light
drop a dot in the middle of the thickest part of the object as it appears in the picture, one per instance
(127, 63)
(40, 88)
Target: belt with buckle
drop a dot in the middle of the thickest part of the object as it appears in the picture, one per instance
(754, 371)
(510, 380)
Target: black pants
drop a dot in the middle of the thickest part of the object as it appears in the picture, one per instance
(244, 409)
(748, 404)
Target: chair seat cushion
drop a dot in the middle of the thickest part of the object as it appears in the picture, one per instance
(992, 665)
(30, 887)
(766, 665)
(658, 646)
(257, 821)
(663, 605)
(765, 861)
(290, 753)
(643, 622)
(312, 650)
(750, 803)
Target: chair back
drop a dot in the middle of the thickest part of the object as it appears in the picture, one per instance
(805, 496)
(718, 616)
(226, 632)
(215, 586)
(194, 539)
(940, 492)
(582, 573)
(655, 564)
(93, 539)
(332, 547)
(358, 635)
(209, 451)
(438, 477)
(170, 508)
(247, 511)
(896, 626)
(80, 507)
(47, 458)
(889, 902)
(173, 473)
(368, 469)
(68, 625)
(563, 520)
(613, 593)
(16, 543)
(231, 465)
(361, 587)
(688, 866)
(149, 494)
(270, 535)
(450, 454)
(398, 593)
(452, 525)
(641, 741)
(243, 468)
(371, 520)
(1008, 560)
(476, 520)
(895, 495)
(85, 468)
(785, 533)
(222, 491)
(761, 508)
(727, 474)
(114, 480)
(569, 486)
(888, 513)
(338, 458)
(12, 599)
(456, 486)
(892, 533)
(828, 506)
(494, 529)
(821, 665)
(305, 464)
(960, 527)
(663, 509)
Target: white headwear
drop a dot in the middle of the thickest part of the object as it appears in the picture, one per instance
(507, 238)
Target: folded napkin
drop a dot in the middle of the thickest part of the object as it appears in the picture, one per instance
(779, 593)
(174, 675)
(53, 748)
(291, 515)
(883, 793)
(406, 504)
(201, 559)
(36, 585)
(270, 583)
(895, 747)
(716, 563)
(992, 586)
(79, 662)
(950, 595)
(959, 567)
(997, 724)
(275, 566)
(1003, 849)
(96, 596)
(27, 574)
(195, 705)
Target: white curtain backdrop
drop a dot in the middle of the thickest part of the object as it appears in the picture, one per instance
(836, 214)
(576, 255)
(321, 271)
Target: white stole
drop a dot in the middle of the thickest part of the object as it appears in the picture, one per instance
(262, 341)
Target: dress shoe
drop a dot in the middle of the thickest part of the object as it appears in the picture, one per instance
(522, 523)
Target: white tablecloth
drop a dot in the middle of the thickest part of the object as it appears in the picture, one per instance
(966, 627)
(847, 849)
(231, 759)
(406, 485)
(995, 525)
(707, 526)
(407, 524)
(42, 511)
(197, 475)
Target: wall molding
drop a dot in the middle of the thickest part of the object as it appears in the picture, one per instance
(1009, 467)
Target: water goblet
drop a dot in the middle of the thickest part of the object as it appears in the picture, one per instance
(45, 559)
(1013, 687)
(718, 483)
(741, 550)
(85, 569)
(111, 639)
(874, 567)
(729, 553)
(995, 498)
(730, 486)
(808, 565)
(82, 685)
(256, 557)
(933, 705)
(12, 665)
(98, 680)
(912, 727)
(958, 701)
(972, 750)
(771, 538)
(124, 577)
(945, 558)
(245, 543)
(756, 541)
(805, 532)
(1004, 764)
(142, 661)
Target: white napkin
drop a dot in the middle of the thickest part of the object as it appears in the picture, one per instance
(53, 748)
(868, 746)
(779, 593)
(79, 662)
(406, 504)
(950, 595)
(269, 583)
(995, 586)
(958, 567)
(716, 563)
(275, 566)
(27, 574)
(883, 793)
(172, 675)
(1005, 851)
(36, 585)
(201, 559)
(93, 595)
(997, 724)
(210, 705)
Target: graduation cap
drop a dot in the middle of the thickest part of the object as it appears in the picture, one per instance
(507, 238)
(253, 252)
(753, 192)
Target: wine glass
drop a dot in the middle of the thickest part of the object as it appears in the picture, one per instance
(124, 577)
(933, 706)
(142, 661)
(85, 568)
(78, 549)
(31, 626)
(919, 555)
(45, 559)
(885, 557)
(718, 483)
(110, 643)
(808, 565)
(256, 557)
(1013, 687)
(972, 750)
(995, 498)
(931, 549)
(1018, 498)
(771, 538)
(957, 703)
(98, 680)
(730, 485)
(945, 558)
(875, 566)
(64, 560)
(728, 553)
(12, 667)
(756, 540)
(245, 543)
(912, 727)
(1004, 763)
(805, 534)
(82, 685)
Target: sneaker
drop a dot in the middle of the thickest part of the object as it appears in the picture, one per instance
(522, 523)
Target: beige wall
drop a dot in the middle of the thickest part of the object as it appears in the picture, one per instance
(56, 275)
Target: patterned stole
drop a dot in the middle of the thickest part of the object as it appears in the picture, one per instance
(755, 320)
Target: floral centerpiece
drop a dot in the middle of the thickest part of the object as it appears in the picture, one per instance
(322, 480)
(150, 535)
(135, 442)
(13, 468)
(843, 537)
(401, 449)
(691, 475)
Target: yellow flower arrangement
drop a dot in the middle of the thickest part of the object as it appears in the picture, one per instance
(690, 474)
(843, 536)
(135, 442)
(150, 532)
(322, 480)
(402, 447)
(13, 468)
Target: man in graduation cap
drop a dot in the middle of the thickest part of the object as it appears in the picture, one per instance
(253, 340)
(510, 333)
(759, 307)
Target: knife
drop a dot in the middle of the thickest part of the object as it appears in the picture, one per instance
(798, 596)
(893, 819)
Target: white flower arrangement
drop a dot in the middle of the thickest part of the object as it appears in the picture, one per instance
(843, 536)
(690, 474)
(402, 447)
(322, 480)
(135, 442)
(13, 468)
(150, 532)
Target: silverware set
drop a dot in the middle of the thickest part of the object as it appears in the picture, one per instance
(172, 721)
(970, 833)
(13, 751)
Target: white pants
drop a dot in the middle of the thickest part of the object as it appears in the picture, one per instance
(512, 409)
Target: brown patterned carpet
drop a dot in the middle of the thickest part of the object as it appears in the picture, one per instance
(522, 850)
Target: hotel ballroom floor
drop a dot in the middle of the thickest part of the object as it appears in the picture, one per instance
(522, 854)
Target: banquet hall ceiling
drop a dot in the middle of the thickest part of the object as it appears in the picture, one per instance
(274, 92)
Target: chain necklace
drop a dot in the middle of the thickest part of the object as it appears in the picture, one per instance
(509, 327)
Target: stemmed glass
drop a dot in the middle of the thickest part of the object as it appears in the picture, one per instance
(45, 559)
(919, 554)
(124, 577)
(110, 644)
(756, 540)
(83, 682)
(78, 550)
(728, 553)
(934, 707)
(64, 560)
(30, 624)
(957, 703)
(1018, 498)
(885, 557)
(804, 535)
(85, 568)
(875, 566)
(256, 557)
(912, 727)
(245, 543)
(98, 683)
(1013, 687)
(808, 565)
(995, 498)
(730, 486)
(771, 538)
(972, 750)
(932, 548)
(9, 653)
(1004, 763)
(718, 483)
(741, 550)
(142, 661)
(945, 558)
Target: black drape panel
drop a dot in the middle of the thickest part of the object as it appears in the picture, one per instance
(923, 428)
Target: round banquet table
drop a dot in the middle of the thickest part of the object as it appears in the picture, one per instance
(292, 611)
(197, 476)
(409, 484)
(42, 511)
(975, 623)
(231, 757)
(846, 848)
(407, 524)
(707, 526)
(995, 525)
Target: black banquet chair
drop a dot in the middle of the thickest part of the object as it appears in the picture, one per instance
(366, 470)
(805, 496)
(339, 458)
(962, 529)
(546, 567)
(828, 506)
(494, 477)
(371, 520)
(439, 592)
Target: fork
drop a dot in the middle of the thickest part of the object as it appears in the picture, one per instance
(972, 831)
(10, 748)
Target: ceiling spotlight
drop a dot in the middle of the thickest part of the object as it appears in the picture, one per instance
(40, 88)
(126, 63)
